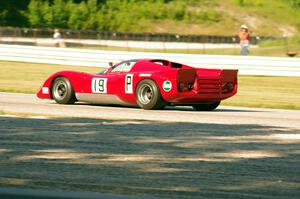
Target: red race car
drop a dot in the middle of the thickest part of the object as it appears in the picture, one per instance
(148, 83)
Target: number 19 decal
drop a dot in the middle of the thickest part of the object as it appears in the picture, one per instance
(129, 84)
(99, 85)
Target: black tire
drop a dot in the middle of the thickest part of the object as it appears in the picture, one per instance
(206, 106)
(62, 91)
(148, 95)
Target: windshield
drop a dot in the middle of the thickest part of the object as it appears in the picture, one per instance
(124, 66)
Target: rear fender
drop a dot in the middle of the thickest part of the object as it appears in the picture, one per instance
(229, 82)
(168, 81)
(229, 75)
(186, 79)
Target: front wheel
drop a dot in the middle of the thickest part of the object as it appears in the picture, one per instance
(62, 91)
(148, 95)
(206, 106)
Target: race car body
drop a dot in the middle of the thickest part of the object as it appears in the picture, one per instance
(148, 83)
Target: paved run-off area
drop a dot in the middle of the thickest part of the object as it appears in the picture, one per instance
(227, 153)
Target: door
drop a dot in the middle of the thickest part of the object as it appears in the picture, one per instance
(114, 85)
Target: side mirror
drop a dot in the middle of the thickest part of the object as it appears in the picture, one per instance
(110, 64)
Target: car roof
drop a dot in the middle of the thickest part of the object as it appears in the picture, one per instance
(145, 59)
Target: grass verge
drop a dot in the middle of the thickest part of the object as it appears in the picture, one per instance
(22, 77)
(267, 92)
(22, 114)
(254, 91)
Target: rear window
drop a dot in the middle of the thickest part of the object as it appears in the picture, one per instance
(166, 63)
(161, 62)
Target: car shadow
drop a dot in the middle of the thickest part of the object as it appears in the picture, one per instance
(172, 108)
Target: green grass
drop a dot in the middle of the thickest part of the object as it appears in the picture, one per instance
(254, 91)
(267, 92)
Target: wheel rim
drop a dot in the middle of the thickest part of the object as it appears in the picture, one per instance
(145, 94)
(60, 90)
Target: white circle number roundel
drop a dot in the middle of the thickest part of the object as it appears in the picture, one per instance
(167, 85)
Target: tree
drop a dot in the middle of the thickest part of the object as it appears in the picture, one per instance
(11, 12)
(35, 15)
(47, 15)
(61, 13)
(92, 17)
(78, 16)
(294, 3)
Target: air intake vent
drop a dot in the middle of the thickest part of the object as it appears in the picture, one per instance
(209, 86)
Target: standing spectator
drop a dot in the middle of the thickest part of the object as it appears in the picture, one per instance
(244, 37)
(57, 38)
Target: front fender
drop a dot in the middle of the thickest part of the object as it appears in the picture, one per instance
(76, 79)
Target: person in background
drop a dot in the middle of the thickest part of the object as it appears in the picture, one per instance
(57, 38)
(244, 37)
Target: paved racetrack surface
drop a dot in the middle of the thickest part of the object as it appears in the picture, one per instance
(172, 153)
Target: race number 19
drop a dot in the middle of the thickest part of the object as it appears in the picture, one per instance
(99, 85)
(129, 83)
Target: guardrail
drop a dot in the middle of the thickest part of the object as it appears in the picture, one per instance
(160, 45)
(247, 65)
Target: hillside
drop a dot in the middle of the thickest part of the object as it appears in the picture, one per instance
(212, 17)
(223, 17)
(264, 17)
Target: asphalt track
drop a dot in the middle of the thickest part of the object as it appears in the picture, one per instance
(29, 103)
(232, 152)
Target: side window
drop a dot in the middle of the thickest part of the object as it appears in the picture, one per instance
(176, 65)
(123, 67)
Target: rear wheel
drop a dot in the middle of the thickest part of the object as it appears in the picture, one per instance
(62, 91)
(148, 95)
(206, 106)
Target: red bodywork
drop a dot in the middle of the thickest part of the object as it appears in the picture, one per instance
(189, 85)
